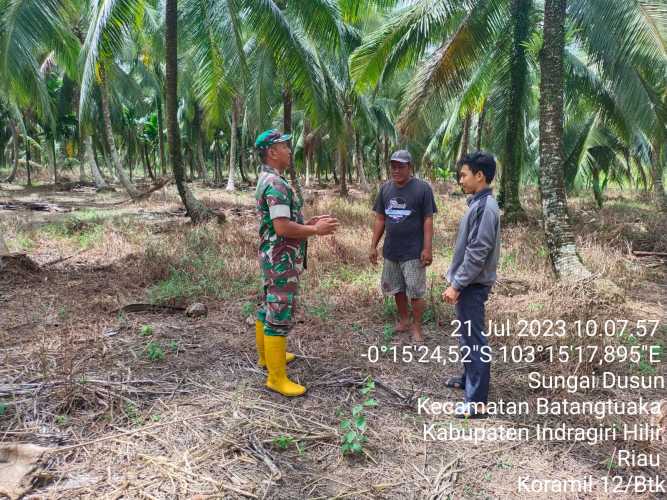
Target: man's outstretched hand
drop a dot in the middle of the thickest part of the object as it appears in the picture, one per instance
(313, 220)
(326, 225)
(451, 295)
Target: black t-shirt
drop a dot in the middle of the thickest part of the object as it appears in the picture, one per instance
(404, 210)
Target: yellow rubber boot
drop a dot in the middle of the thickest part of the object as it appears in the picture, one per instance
(274, 348)
(259, 341)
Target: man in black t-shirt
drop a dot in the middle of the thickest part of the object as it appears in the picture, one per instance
(404, 212)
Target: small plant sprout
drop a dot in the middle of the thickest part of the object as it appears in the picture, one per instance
(388, 334)
(354, 437)
(248, 309)
(154, 351)
(133, 414)
(146, 330)
(283, 442)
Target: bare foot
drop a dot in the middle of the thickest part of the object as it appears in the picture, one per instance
(403, 326)
(417, 336)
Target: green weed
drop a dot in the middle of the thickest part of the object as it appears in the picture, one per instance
(248, 309)
(508, 261)
(610, 464)
(504, 465)
(320, 311)
(133, 414)
(86, 228)
(354, 437)
(388, 334)
(154, 351)
(283, 442)
(21, 242)
(62, 313)
(389, 309)
(146, 330)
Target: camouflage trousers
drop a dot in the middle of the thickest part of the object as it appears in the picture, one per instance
(278, 305)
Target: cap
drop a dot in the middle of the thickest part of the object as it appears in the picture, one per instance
(402, 156)
(270, 137)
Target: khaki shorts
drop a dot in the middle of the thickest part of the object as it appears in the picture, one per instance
(408, 277)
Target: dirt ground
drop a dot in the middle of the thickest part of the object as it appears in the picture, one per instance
(152, 403)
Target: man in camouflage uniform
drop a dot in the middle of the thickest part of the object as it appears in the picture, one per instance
(283, 236)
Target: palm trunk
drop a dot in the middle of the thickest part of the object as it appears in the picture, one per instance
(657, 173)
(129, 156)
(465, 137)
(242, 157)
(233, 137)
(513, 158)
(51, 153)
(480, 127)
(287, 129)
(27, 156)
(642, 174)
(89, 157)
(97, 151)
(216, 164)
(560, 238)
(111, 143)
(342, 169)
(359, 163)
(307, 157)
(100, 152)
(334, 170)
(199, 145)
(148, 164)
(221, 162)
(15, 153)
(385, 156)
(80, 156)
(160, 135)
(307, 139)
(195, 209)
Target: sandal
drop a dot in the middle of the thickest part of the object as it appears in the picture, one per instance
(455, 383)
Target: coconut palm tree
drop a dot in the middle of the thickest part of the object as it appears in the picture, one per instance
(195, 209)
(560, 238)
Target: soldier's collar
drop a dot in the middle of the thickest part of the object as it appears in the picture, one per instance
(271, 170)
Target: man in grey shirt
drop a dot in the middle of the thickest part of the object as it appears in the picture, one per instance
(471, 276)
(404, 211)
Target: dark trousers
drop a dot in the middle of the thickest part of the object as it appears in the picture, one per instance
(476, 373)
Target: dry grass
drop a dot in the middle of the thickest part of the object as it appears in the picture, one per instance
(78, 376)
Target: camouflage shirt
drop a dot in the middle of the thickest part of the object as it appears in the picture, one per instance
(280, 258)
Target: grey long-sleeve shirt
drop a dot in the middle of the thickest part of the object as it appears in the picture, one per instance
(477, 244)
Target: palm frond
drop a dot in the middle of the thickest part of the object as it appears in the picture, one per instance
(448, 69)
(402, 40)
(110, 23)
